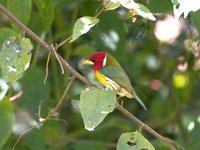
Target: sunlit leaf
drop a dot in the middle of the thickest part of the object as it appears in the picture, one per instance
(6, 120)
(3, 88)
(144, 12)
(82, 26)
(21, 9)
(111, 6)
(15, 56)
(139, 8)
(47, 9)
(95, 105)
(133, 141)
(175, 2)
(185, 7)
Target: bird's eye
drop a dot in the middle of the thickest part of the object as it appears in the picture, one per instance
(93, 60)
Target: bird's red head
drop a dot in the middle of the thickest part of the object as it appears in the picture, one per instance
(99, 60)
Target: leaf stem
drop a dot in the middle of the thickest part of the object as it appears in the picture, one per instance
(63, 42)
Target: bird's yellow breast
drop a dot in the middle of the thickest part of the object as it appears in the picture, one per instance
(108, 83)
(101, 78)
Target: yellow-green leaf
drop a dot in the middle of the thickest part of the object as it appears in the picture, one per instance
(82, 26)
(95, 105)
(139, 8)
(15, 56)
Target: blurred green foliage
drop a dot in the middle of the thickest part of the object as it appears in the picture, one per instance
(165, 76)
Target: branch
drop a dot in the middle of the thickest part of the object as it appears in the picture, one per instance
(165, 140)
(44, 44)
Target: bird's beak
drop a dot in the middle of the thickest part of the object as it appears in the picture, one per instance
(87, 62)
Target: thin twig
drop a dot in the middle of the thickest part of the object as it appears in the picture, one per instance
(167, 141)
(61, 66)
(47, 68)
(63, 42)
(100, 10)
(20, 137)
(16, 96)
(55, 109)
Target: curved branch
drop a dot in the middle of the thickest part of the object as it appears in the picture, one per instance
(44, 44)
(67, 66)
(165, 140)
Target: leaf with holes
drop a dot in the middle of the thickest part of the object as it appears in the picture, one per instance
(82, 26)
(15, 57)
(95, 105)
(133, 141)
(6, 120)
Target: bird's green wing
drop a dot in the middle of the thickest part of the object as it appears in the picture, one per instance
(117, 74)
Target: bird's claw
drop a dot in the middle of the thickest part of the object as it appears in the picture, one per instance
(100, 86)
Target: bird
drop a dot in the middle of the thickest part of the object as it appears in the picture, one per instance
(112, 76)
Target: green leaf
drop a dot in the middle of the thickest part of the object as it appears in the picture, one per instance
(195, 20)
(47, 10)
(15, 57)
(144, 12)
(35, 140)
(158, 6)
(6, 120)
(133, 141)
(139, 8)
(175, 2)
(95, 105)
(35, 92)
(111, 6)
(5, 34)
(89, 146)
(21, 9)
(82, 26)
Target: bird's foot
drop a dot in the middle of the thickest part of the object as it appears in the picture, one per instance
(100, 86)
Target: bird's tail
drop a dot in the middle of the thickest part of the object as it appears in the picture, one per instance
(140, 102)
